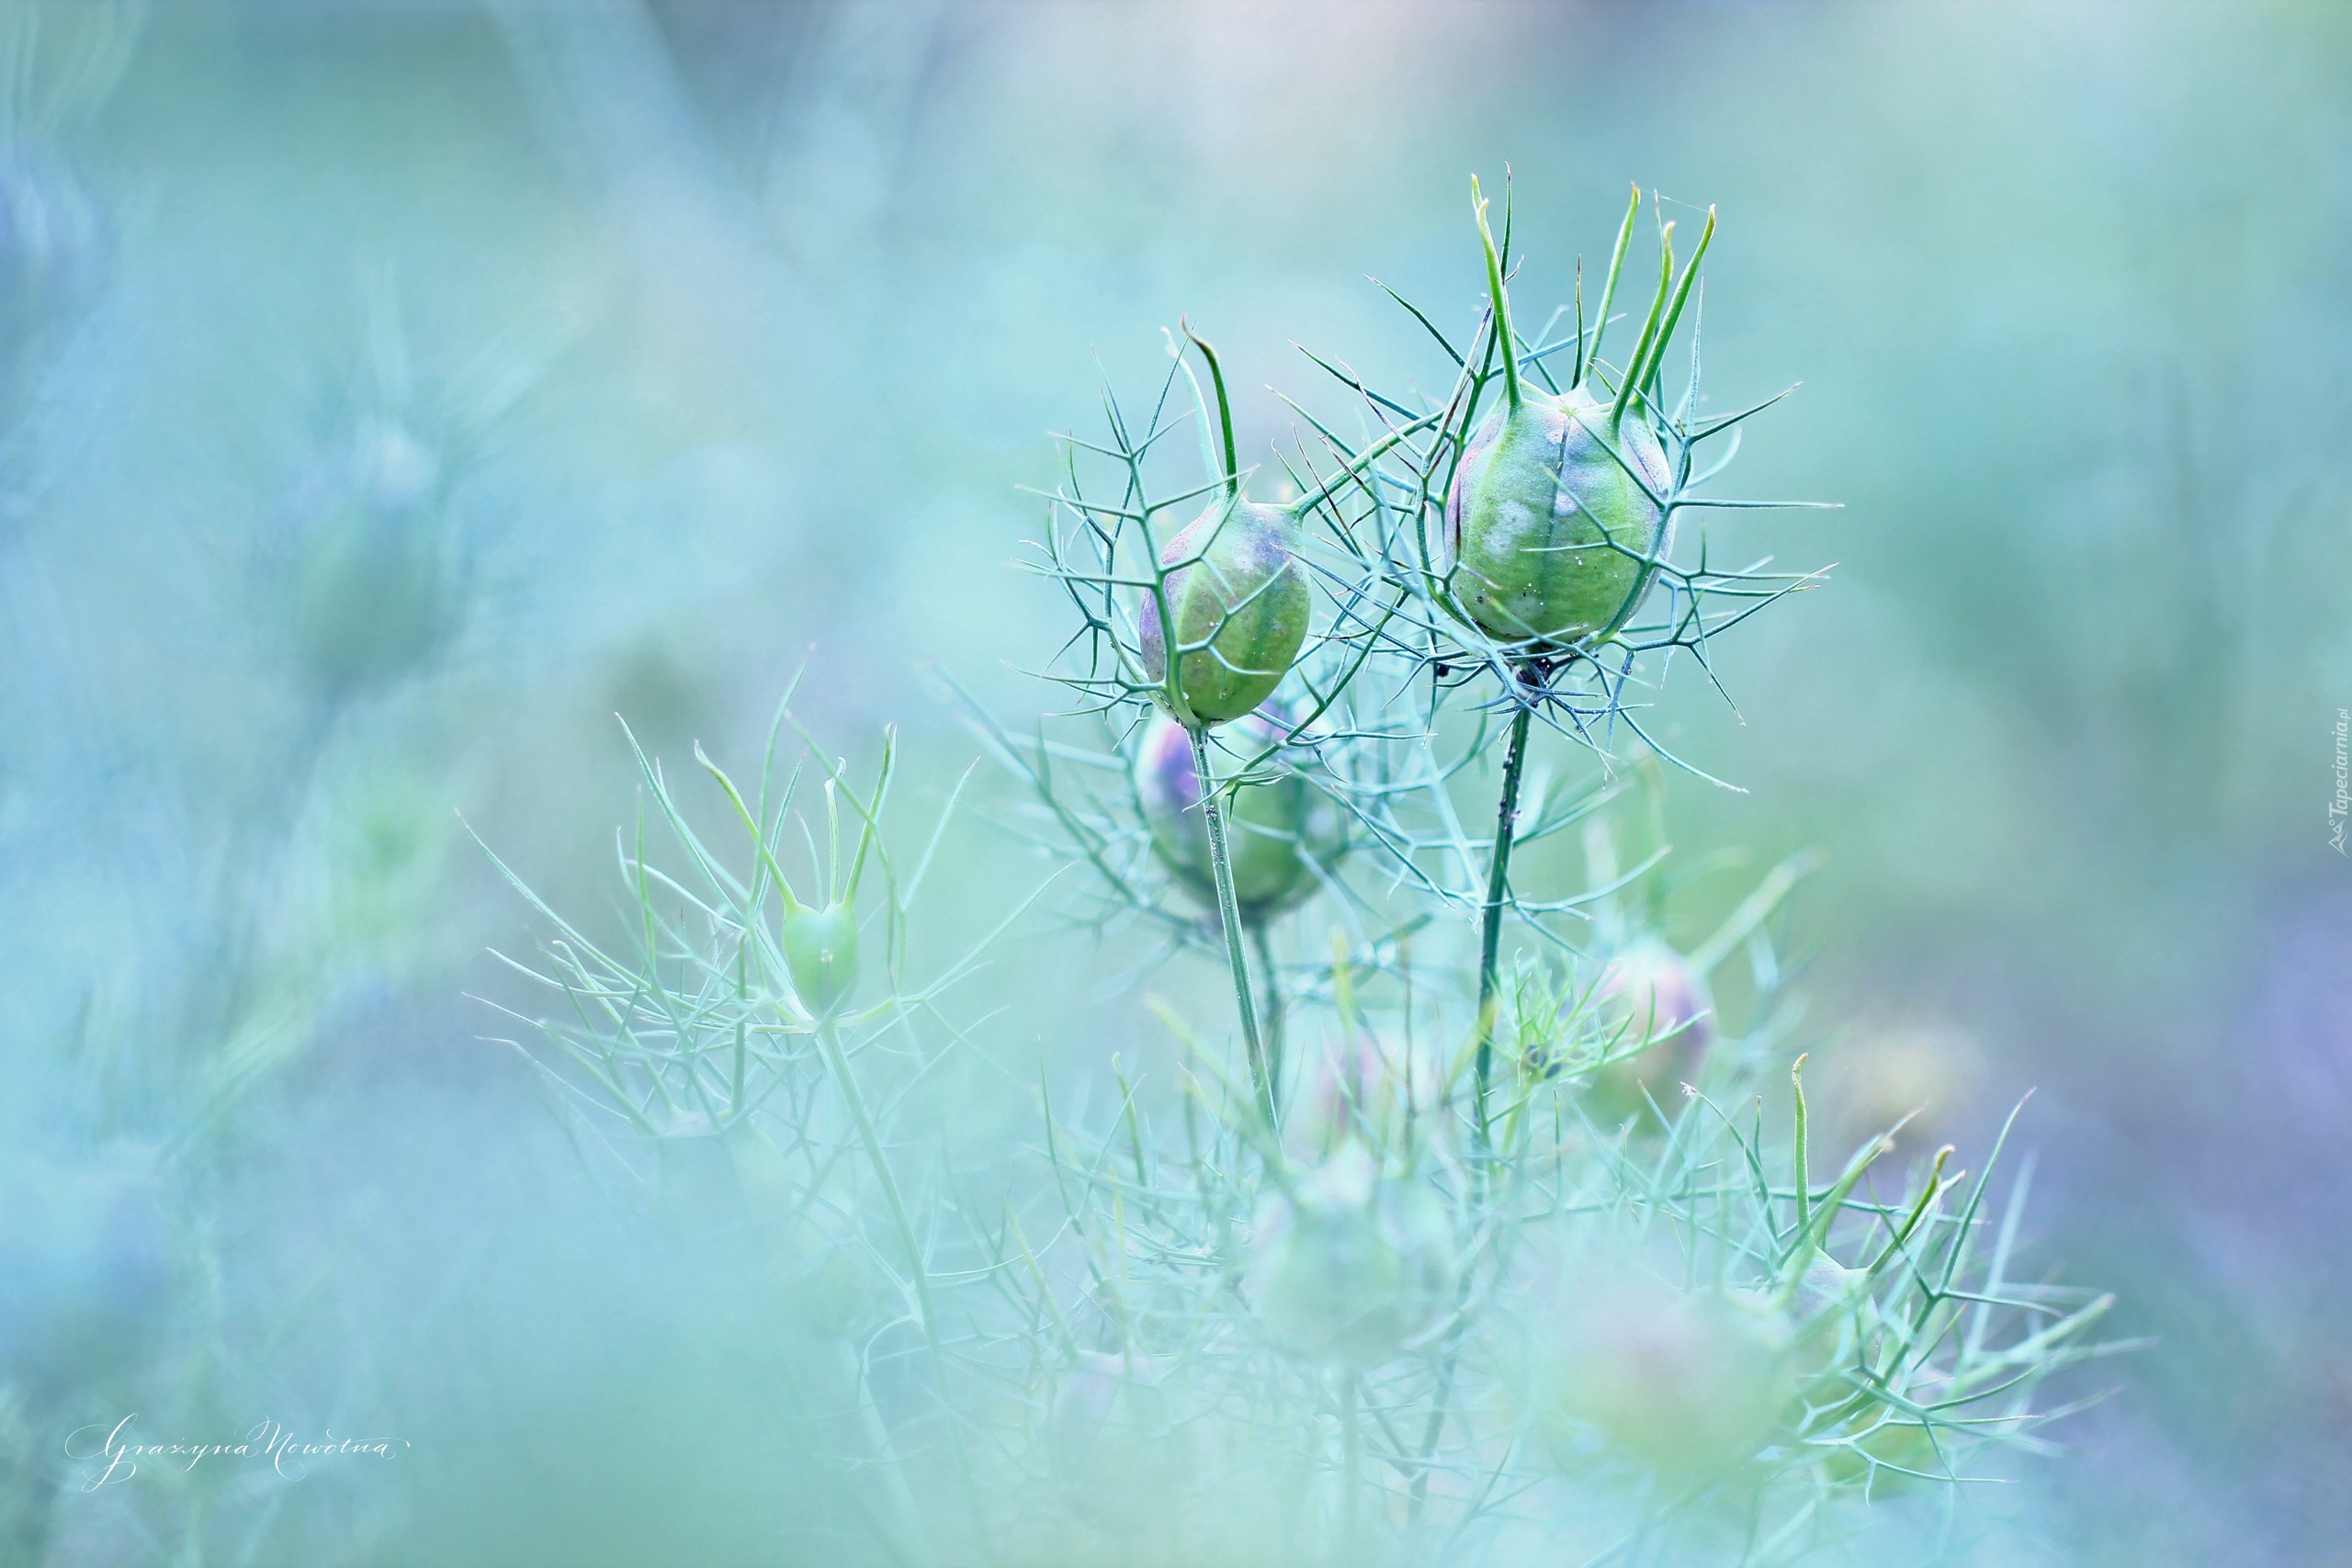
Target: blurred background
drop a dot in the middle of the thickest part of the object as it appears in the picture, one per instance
(396, 390)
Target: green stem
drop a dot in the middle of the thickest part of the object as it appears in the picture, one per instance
(1263, 939)
(1229, 910)
(828, 1042)
(886, 1456)
(1498, 892)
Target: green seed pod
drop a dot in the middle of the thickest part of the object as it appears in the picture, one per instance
(1551, 539)
(1279, 832)
(1349, 1269)
(1556, 518)
(1239, 605)
(821, 950)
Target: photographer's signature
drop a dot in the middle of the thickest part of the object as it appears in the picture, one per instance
(115, 1453)
(2337, 807)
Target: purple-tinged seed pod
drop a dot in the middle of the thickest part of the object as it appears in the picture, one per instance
(1238, 603)
(1279, 832)
(1346, 1269)
(1648, 992)
(1549, 537)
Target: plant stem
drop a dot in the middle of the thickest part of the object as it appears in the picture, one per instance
(1228, 912)
(1352, 1468)
(829, 1041)
(1498, 892)
(1264, 940)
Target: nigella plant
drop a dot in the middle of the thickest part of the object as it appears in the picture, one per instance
(1490, 1258)
(1463, 1231)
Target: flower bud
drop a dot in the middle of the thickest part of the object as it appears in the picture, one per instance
(1549, 537)
(1239, 605)
(1684, 1384)
(1116, 1439)
(821, 951)
(1346, 1272)
(1648, 993)
(1278, 832)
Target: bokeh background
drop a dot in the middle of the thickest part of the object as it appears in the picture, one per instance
(394, 391)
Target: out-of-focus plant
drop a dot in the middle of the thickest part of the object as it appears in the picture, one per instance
(742, 1057)
(57, 65)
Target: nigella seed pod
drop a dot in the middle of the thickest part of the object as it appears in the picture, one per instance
(1351, 1265)
(1658, 1019)
(1239, 606)
(820, 952)
(1116, 1439)
(1279, 833)
(1553, 539)
(1557, 517)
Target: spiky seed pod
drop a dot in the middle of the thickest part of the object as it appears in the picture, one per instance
(1346, 1270)
(1552, 539)
(1372, 1087)
(1279, 833)
(375, 581)
(820, 952)
(1116, 1438)
(1556, 520)
(1652, 1002)
(1685, 1384)
(1239, 605)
